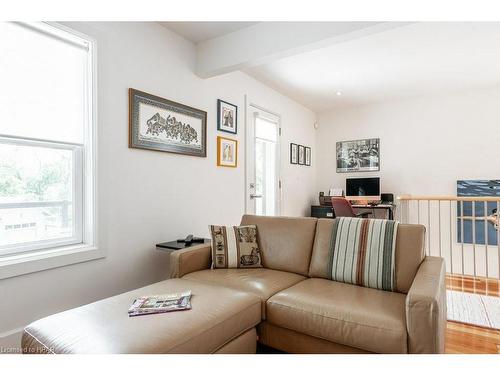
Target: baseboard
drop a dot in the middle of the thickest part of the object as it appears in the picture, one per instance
(10, 341)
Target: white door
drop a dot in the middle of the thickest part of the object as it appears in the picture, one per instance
(263, 185)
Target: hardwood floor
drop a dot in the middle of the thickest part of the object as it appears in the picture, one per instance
(468, 339)
(470, 284)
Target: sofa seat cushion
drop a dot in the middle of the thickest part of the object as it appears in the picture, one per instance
(218, 316)
(261, 282)
(365, 318)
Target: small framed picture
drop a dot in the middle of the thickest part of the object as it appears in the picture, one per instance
(308, 156)
(227, 117)
(227, 152)
(302, 157)
(293, 153)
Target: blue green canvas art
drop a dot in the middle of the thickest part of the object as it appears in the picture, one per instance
(480, 219)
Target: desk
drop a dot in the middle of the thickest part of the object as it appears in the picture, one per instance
(327, 211)
(389, 208)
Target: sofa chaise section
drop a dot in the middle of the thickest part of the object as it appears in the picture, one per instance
(221, 320)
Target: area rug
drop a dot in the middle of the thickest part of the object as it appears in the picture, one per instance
(475, 309)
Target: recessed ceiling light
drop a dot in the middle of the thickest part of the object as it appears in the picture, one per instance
(339, 93)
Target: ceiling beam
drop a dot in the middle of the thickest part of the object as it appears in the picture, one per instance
(269, 41)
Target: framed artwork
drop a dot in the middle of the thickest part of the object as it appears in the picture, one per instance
(308, 156)
(163, 125)
(227, 152)
(358, 156)
(227, 117)
(302, 158)
(477, 212)
(293, 153)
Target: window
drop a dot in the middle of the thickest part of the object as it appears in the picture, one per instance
(46, 139)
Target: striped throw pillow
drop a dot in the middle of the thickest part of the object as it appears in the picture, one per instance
(362, 252)
(235, 247)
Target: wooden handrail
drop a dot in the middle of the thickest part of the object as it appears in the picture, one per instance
(446, 198)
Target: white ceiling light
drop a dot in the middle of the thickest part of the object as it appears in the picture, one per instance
(339, 93)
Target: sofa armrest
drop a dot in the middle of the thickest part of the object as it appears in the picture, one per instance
(426, 308)
(194, 258)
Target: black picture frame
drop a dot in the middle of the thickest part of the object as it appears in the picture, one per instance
(307, 156)
(361, 155)
(231, 118)
(302, 151)
(294, 153)
(159, 136)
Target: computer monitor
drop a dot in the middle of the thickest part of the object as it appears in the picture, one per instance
(366, 189)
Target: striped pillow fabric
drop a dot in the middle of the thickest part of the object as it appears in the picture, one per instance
(235, 247)
(362, 252)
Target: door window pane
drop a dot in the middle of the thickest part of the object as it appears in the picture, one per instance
(265, 129)
(265, 167)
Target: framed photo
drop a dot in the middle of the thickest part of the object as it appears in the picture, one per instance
(302, 156)
(163, 125)
(227, 117)
(227, 152)
(294, 153)
(358, 156)
(308, 156)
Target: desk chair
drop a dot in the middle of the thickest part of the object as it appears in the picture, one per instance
(342, 207)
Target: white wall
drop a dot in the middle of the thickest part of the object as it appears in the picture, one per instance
(146, 197)
(426, 143)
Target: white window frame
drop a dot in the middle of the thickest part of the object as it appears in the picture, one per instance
(41, 255)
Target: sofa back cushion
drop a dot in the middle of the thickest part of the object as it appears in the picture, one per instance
(410, 252)
(285, 242)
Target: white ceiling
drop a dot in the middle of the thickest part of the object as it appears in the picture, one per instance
(412, 60)
(198, 32)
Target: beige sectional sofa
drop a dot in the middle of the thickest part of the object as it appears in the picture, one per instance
(304, 312)
(290, 304)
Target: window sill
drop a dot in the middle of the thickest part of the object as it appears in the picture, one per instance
(21, 264)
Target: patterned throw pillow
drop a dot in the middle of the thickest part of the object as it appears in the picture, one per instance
(235, 247)
(362, 252)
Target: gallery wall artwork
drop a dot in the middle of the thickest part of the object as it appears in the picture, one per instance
(227, 152)
(294, 153)
(478, 219)
(227, 117)
(300, 154)
(159, 124)
(361, 155)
